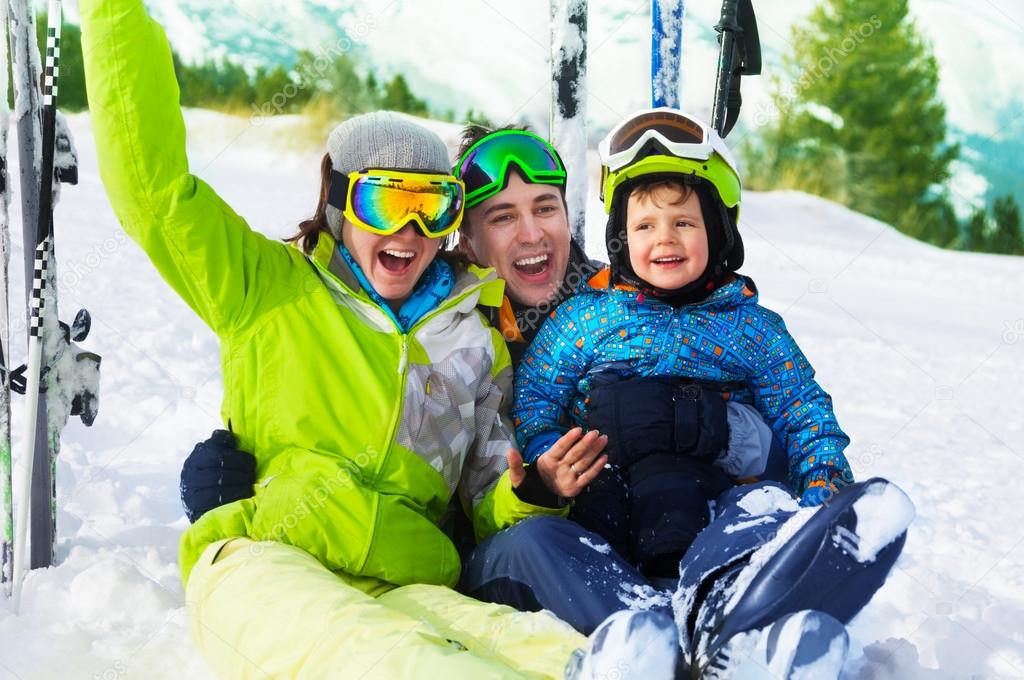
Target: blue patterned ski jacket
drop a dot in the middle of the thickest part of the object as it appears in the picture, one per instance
(727, 338)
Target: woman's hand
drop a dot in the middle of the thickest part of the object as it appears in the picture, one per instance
(568, 466)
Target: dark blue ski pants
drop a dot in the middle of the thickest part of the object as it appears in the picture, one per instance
(555, 564)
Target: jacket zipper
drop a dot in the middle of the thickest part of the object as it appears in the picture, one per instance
(403, 362)
(403, 359)
(403, 366)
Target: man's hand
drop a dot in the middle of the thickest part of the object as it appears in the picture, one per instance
(568, 466)
(516, 471)
(215, 473)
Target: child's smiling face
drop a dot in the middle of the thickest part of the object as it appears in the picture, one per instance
(666, 236)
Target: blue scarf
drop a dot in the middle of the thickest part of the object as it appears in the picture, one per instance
(435, 285)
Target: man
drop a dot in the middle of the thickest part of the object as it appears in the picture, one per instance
(519, 227)
(516, 221)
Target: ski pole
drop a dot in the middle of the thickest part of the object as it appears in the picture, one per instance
(727, 28)
(739, 54)
(42, 255)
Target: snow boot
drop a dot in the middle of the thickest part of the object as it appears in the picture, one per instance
(830, 559)
(807, 644)
(834, 562)
(638, 645)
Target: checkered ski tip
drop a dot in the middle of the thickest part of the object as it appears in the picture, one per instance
(35, 321)
(52, 65)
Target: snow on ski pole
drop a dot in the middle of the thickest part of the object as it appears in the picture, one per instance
(568, 103)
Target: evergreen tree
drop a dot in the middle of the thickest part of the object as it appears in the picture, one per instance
(1007, 237)
(399, 97)
(932, 220)
(181, 77)
(215, 84)
(373, 90)
(332, 82)
(233, 84)
(976, 231)
(475, 117)
(863, 123)
(336, 82)
(278, 91)
(348, 87)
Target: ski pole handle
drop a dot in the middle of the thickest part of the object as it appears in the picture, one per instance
(727, 27)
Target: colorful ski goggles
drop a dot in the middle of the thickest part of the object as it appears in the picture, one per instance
(679, 134)
(484, 166)
(383, 201)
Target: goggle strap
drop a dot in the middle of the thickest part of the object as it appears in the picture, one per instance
(337, 195)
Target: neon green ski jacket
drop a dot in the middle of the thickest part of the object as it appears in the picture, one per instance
(362, 433)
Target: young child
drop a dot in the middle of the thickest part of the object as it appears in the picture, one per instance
(663, 339)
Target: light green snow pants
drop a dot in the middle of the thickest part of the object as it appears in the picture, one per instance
(269, 610)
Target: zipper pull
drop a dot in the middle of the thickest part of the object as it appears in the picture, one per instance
(405, 353)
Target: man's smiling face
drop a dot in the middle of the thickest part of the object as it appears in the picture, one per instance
(523, 232)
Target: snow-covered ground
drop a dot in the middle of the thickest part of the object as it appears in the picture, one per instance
(923, 351)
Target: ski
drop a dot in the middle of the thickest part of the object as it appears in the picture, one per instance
(6, 481)
(568, 103)
(739, 54)
(38, 490)
(666, 51)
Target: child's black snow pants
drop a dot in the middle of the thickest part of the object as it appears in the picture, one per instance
(652, 499)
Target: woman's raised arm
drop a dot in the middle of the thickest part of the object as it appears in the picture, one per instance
(202, 248)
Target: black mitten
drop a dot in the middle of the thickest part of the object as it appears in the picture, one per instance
(657, 414)
(216, 473)
(669, 508)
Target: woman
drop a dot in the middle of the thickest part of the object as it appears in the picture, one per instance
(359, 373)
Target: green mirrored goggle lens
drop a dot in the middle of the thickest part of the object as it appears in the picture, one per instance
(484, 167)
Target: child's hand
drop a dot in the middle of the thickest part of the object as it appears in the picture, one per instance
(817, 495)
(572, 462)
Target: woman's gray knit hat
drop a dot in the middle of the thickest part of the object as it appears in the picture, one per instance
(382, 141)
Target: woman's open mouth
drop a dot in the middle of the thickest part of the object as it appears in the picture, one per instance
(396, 261)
